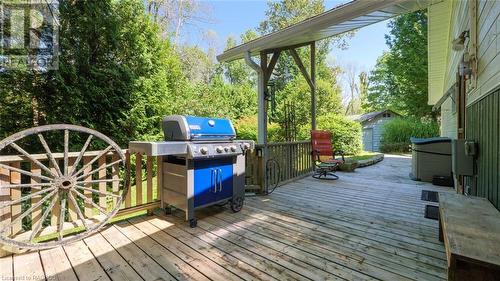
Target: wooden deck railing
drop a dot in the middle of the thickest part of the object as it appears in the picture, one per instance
(140, 196)
(287, 161)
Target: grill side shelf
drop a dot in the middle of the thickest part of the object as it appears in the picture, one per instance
(158, 148)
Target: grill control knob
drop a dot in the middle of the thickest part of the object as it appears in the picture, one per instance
(203, 150)
(226, 149)
(246, 146)
(219, 149)
(233, 148)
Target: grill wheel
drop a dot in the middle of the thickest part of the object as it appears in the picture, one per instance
(237, 204)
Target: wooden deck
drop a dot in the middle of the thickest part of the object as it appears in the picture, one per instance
(367, 225)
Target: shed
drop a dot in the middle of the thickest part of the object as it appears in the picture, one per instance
(372, 124)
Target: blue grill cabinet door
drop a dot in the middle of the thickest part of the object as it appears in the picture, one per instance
(226, 177)
(204, 183)
(207, 177)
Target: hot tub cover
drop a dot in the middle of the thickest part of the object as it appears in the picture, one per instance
(429, 140)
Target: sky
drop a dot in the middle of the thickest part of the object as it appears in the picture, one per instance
(233, 17)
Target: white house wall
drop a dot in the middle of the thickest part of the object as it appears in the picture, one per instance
(448, 120)
(488, 50)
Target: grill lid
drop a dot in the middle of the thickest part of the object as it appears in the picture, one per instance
(193, 128)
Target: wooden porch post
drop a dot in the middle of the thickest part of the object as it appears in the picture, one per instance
(262, 120)
(262, 113)
(313, 85)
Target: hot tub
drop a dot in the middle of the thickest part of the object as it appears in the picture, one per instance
(431, 158)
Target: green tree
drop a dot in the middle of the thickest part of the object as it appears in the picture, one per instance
(116, 74)
(237, 72)
(363, 90)
(296, 94)
(281, 14)
(399, 80)
(196, 65)
(290, 87)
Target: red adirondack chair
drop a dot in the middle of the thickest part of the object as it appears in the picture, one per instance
(326, 163)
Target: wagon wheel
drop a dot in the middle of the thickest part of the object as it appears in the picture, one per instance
(63, 185)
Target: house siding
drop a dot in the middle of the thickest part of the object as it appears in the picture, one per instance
(483, 101)
(483, 105)
(483, 126)
(460, 21)
(488, 50)
(448, 120)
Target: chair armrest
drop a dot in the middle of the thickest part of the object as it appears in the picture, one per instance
(315, 154)
(339, 152)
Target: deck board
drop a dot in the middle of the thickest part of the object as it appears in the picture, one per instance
(368, 225)
(28, 266)
(111, 261)
(168, 260)
(60, 270)
(6, 270)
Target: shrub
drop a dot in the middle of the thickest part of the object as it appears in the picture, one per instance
(396, 133)
(346, 134)
(247, 129)
(399, 147)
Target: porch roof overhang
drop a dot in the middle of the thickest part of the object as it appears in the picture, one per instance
(344, 18)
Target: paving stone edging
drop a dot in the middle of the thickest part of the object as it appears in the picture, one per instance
(368, 162)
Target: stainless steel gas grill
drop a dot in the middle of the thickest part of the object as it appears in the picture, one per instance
(202, 163)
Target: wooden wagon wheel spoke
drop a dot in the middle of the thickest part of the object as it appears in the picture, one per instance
(66, 152)
(26, 154)
(60, 225)
(62, 187)
(25, 172)
(80, 156)
(45, 214)
(98, 191)
(49, 154)
(98, 181)
(102, 153)
(98, 169)
(6, 204)
(89, 201)
(27, 212)
(77, 208)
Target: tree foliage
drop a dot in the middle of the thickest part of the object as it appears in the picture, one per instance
(399, 80)
(115, 74)
(290, 86)
(120, 73)
(396, 133)
(346, 134)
